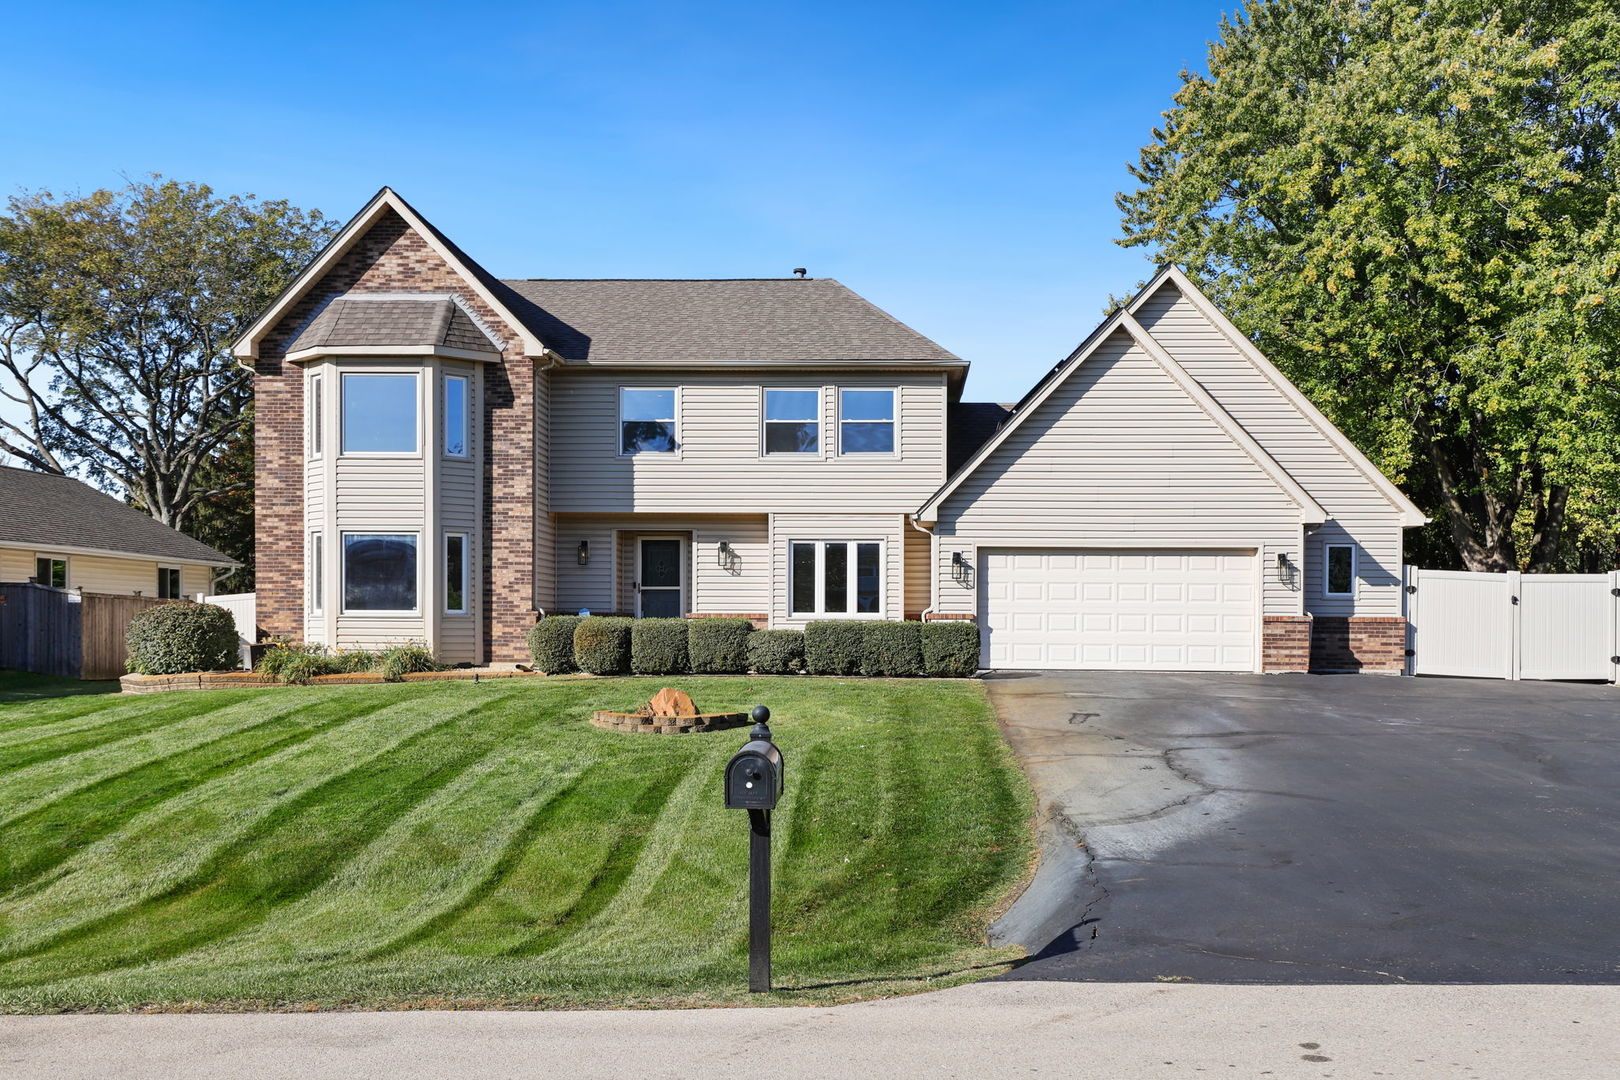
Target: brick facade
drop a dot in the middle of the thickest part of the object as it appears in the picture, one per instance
(391, 257)
(1362, 643)
(1285, 643)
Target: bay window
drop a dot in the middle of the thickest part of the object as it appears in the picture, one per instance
(379, 572)
(835, 577)
(379, 414)
(455, 415)
(455, 573)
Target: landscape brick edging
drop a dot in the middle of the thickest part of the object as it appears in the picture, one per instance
(639, 724)
(224, 680)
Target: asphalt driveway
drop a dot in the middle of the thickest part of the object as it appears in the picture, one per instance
(1310, 829)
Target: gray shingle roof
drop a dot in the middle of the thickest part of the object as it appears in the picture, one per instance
(55, 512)
(358, 319)
(715, 321)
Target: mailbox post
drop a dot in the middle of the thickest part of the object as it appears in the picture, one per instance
(754, 783)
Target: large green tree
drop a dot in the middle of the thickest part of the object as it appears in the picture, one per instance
(1412, 206)
(117, 311)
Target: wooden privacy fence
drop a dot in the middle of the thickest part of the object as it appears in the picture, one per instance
(75, 635)
(1514, 626)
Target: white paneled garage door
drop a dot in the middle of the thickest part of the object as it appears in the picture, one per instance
(1146, 610)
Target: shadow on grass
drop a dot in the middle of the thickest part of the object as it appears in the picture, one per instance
(26, 686)
(896, 979)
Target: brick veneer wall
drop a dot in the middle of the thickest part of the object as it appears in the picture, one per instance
(391, 257)
(1285, 643)
(1360, 643)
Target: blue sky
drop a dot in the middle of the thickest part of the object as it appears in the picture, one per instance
(955, 163)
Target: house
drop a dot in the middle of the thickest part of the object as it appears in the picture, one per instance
(445, 456)
(59, 532)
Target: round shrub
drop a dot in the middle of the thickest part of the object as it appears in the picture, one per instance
(181, 637)
(602, 645)
(893, 648)
(950, 648)
(776, 652)
(658, 647)
(835, 647)
(718, 646)
(551, 643)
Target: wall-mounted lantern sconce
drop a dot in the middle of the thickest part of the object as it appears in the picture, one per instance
(961, 573)
(1285, 569)
(584, 553)
(727, 557)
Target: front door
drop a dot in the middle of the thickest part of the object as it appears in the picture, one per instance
(659, 577)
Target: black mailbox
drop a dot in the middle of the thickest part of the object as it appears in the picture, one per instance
(754, 774)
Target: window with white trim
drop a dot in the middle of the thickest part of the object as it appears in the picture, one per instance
(1339, 570)
(317, 574)
(835, 577)
(379, 413)
(379, 571)
(317, 418)
(455, 573)
(456, 412)
(168, 583)
(51, 571)
(792, 421)
(866, 421)
(647, 421)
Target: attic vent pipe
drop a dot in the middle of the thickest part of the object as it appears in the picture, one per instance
(799, 270)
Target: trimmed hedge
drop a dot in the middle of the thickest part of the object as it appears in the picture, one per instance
(893, 649)
(602, 644)
(181, 637)
(551, 644)
(718, 646)
(776, 652)
(658, 647)
(835, 646)
(950, 649)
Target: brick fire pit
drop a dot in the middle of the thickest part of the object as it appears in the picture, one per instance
(670, 712)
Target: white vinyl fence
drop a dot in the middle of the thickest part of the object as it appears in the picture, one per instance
(1514, 626)
(244, 610)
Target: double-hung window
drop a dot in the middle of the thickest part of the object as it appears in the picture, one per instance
(1339, 570)
(379, 572)
(646, 421)
(835, 577)
(50, 571)
(455, 415)
(168, 583)
(866, 421)
(455, 573)
(379, 414)
(792, 421)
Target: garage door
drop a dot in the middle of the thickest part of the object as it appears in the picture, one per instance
(1142, 610)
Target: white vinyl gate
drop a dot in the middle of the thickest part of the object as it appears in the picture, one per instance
(1514, 626)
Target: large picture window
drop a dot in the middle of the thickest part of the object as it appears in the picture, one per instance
(646, 421)
(455, 415)
(866, 421)
(379, 414)
(379, 572)
(1341, 570)
(835, 577)
(792, 421)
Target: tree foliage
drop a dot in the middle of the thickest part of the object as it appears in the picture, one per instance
(1412, 206)
(117, 311)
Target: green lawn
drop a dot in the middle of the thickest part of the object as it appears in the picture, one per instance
(444, 844)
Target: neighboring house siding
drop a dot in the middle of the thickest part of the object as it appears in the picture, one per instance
(720, 467)
(1358, 511)
(887, 528)
(106, 573)
(1118, 456)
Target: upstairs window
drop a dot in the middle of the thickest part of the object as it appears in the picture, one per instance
(835, 577)
(1340, 570)
(379, 414)
(455, 416)
(866, 421)
(51, 572)
(317, 419)
(168, 583)
(646, 421)
(792, 421)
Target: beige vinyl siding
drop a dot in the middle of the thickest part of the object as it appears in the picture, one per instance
(196, 580)
(606, 584)
(1358, 512)
(786, 528)
(105, 573)
(1117, 457)
(459, 501)
(720, 466)
(545, 522)
(16, 565)
(742, 586)
(918, 554)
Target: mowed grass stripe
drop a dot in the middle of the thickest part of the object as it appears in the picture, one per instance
(44, 837)
(19, 755)
(293, 851)
(178, 838)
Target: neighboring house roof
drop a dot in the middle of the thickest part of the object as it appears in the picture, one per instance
(388, 320)
(59, 513)
(969, 425)
(718, 322)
